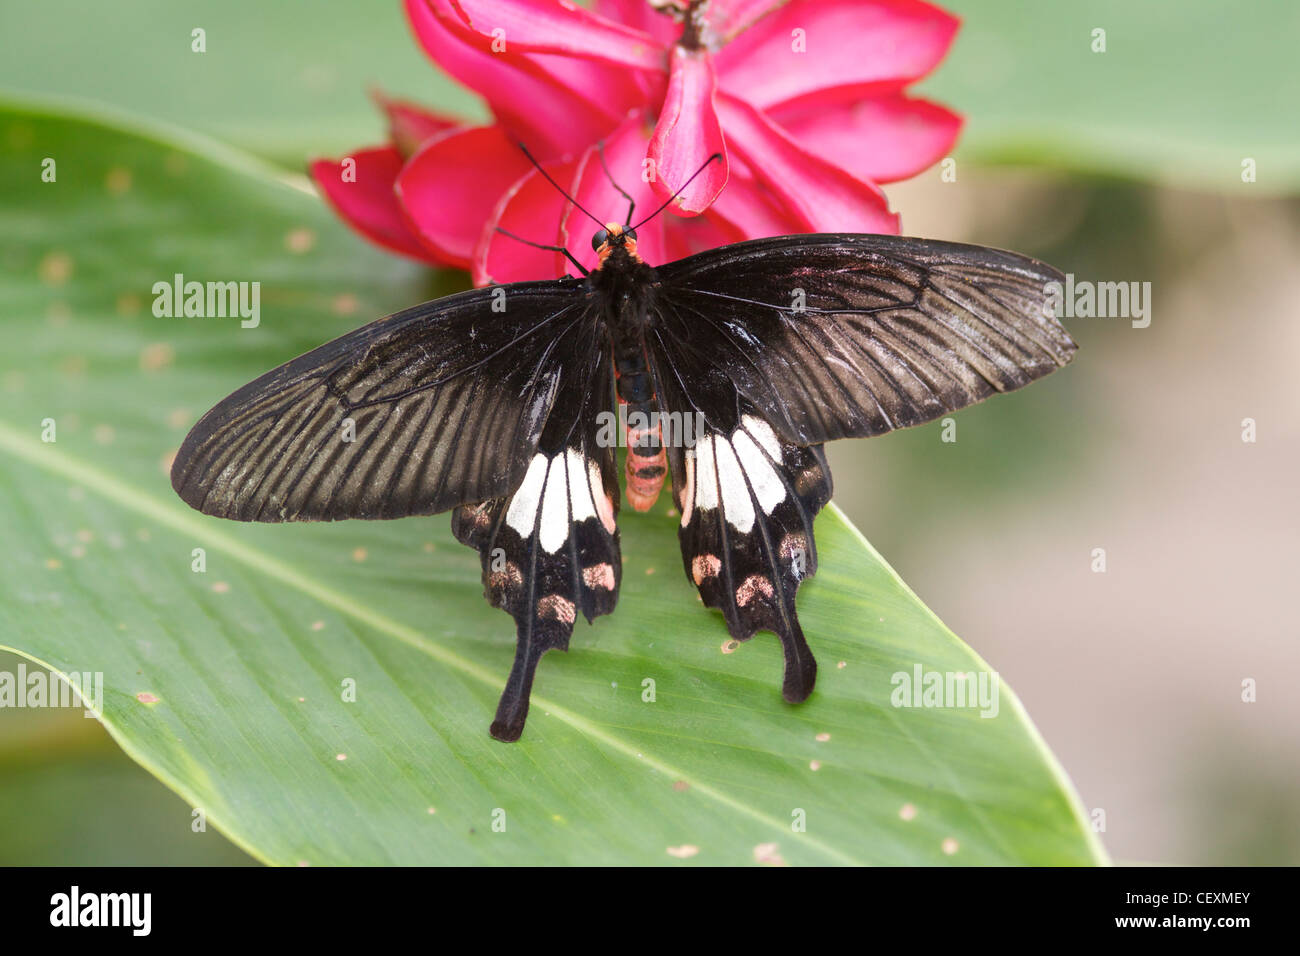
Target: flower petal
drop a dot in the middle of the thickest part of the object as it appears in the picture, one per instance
(450, 188)
(559, 26)
(555, 111)
(750, 211)
(409, 124)
(835, 48)
(532, 209)
(687, 134)
(825, 197)
(367, 203)
(884, 139)
(686, 236)
(727, 18)
(640, 15)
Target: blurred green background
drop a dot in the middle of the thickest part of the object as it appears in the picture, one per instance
(1121, 166)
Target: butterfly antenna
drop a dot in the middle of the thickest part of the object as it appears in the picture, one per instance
(715, 156)
(558, 187)
(537, 245)
(631, 203)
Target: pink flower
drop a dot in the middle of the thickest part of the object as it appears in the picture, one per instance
(805, 100)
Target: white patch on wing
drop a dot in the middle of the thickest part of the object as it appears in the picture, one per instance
(580, 494)
(706, 481)
(554, 530)
(604, 506)
(522, 515)
(767, 484)
(762, 431)
(563, 489)
(688, 492)
(736, 501)
(728, 469)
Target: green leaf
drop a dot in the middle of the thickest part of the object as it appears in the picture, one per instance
(228, 684)
(1180, 95)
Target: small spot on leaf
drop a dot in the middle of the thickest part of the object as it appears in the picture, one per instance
(300, 240)
(55, 268)
(156, 356)
(768, 854)
(118, 180)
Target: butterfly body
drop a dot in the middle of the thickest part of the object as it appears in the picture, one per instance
(627, 286)
(768, 348)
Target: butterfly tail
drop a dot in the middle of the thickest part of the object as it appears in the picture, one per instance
(800, 665)
(512, 710)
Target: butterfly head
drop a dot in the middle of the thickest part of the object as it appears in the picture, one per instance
(612, 237)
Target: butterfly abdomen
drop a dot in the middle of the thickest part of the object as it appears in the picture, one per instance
(647, 464)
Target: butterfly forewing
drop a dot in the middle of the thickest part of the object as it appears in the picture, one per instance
(852, 336)
(411, 415)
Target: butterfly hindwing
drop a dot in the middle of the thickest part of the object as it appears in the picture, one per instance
(550, 550)
(747, 500)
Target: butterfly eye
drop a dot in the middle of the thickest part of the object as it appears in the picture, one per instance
(630, 233)
(599, 239)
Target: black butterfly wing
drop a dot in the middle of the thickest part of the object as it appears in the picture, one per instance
(747, 500)
(453, 404)
(550, 550)
(782, 344)
(429, 408)
(839, 336)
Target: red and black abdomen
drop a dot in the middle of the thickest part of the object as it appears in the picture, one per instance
(646, 461)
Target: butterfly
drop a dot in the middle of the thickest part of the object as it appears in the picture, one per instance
(728, 370)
